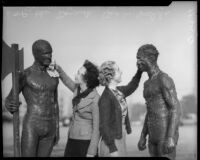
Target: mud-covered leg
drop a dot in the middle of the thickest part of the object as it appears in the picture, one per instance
(45, 147)
(172, 155)
(153, 149)
(47, 139)
(29, 142)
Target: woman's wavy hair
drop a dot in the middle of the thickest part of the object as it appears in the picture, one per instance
(106, 73)
(91, 75)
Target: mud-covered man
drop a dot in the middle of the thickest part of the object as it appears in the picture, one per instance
(41, 122)
(163, 108)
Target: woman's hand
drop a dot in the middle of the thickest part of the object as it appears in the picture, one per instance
(57, 67)
(53, 69)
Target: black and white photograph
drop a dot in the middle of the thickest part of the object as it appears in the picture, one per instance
(100, 81)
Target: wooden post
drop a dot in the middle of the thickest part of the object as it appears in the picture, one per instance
(15, 84)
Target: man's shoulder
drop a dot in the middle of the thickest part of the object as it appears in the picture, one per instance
(25, 72)
(28, 69)
(164, 76)
(165, 80)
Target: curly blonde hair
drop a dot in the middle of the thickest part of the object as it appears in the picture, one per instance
(106, 73)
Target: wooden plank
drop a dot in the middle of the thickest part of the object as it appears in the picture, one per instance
(15, 82)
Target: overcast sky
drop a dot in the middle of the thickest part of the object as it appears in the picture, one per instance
(110, 33)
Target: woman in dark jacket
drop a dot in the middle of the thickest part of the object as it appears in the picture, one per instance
(113, 110)
(83, 134)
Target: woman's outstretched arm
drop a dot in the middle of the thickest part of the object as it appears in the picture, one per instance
(67, 81)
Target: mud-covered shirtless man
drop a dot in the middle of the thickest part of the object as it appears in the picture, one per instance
(41, 121)
(163, 108)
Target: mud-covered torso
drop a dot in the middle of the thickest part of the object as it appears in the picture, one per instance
(39, 91)
(157, 109)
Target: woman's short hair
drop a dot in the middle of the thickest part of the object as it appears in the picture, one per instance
(106, 72)
(91, 75)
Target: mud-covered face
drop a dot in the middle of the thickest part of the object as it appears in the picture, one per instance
(42, 52)
(143, 61)
(44, 57)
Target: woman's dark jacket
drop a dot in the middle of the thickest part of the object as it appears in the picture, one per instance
(111, 115)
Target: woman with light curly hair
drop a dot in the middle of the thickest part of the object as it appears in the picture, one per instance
(113, 110)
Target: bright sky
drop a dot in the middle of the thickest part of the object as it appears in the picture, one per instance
(110, 33)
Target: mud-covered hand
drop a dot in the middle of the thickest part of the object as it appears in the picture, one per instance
(142, 144)
(169, 145)
(12, 106)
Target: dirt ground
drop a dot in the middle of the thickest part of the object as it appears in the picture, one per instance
(186, 149)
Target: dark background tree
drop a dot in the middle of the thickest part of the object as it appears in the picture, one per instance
(189, 104)
(136, 110)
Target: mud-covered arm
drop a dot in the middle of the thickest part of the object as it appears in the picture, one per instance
(9, 99)
(57, 108)
(105, 130)
(170, 97)
(92, 149)
(132, 85)
(57, 117)
(67, 81)
(144, 132)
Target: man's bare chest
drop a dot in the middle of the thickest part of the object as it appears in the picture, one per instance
(41, 81)
(152, 88)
